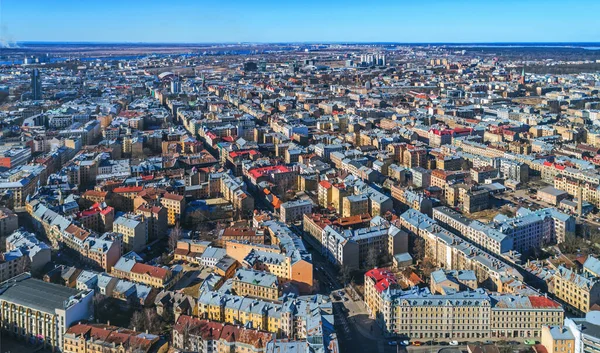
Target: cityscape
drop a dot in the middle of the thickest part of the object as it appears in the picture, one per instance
(297, 196)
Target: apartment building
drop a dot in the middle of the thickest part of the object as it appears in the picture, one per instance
(292, 317)
(579, 291)
(134, 229)
(9, 222)
(293, 211)
(91, 338)
(558, 339)
(347, 247)
(200, 335)
(38, 311)
(257, 284)
(419, 314)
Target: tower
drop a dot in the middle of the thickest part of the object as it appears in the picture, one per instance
(36, 85)
(522, 79)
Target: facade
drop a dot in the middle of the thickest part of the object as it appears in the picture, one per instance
(36, 310)
(135, 231)
(578, 291)
(9, 222)
(292, 211)
(418, 314)
(586, 332)
(558, 339)
(257, 284)
(191, 334)
(91, 338)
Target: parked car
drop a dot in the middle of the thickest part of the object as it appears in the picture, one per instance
(453, 343)
(417, 343)
(404, 343)
(392, 343)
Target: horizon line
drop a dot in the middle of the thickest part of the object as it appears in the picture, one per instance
(302, 42)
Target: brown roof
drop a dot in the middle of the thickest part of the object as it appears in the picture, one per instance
(94, 193)
(221, 331)
(78, 232)
(175, 197)
(153, 271)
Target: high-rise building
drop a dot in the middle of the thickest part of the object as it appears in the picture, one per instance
(36, 85)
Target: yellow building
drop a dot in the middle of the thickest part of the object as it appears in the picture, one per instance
(558, 339)
(256, 284)
(94, 338)
(579, 291)
(175, 205)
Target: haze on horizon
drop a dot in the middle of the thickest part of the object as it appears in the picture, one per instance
(189, 21)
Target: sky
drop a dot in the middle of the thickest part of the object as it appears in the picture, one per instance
(200, 21)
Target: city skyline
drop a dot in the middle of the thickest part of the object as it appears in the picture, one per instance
(465, 21)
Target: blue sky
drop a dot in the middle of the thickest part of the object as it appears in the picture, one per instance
(196, 21)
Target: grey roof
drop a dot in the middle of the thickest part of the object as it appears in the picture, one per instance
(36, 294)
(592, 264)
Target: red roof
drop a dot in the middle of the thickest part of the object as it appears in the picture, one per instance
(325, 184)
(234, 154)
(543, 302)
(128, 189)
(383, 278)
(441, 132)
(258, 172)
(153, 271)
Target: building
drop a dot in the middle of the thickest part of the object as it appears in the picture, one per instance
(175, 205)
(135, 231)
(452, 281)
(257, 284)
(586, 332)
(36, 85)
(351, 247)
(419, 314)
(293, 211)
(297, 317)
(90, 338)
(15, 156)
(558, 339)
(24, 252)
(551, 195)
(9, 222)
(191, 334)
(579, 291)
(35, 310)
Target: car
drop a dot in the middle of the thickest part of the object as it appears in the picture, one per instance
(417, 343)
(530, 342)
(392, 343)
(513, 343)
(453, 343)
(404, 343)
(336, 297)
(488, 342)
(443, 343)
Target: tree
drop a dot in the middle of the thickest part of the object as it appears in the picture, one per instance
(371, 261)
(419, 248)
(345, 274)
(138, 321)
(174, 237)
(146, 320)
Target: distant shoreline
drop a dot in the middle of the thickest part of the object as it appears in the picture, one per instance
(447, 44)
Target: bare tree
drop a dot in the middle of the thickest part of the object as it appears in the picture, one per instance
(345, 274)
(371, 261)
(138, 321)
(174, 237)
(419, 248)
(153, 322)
